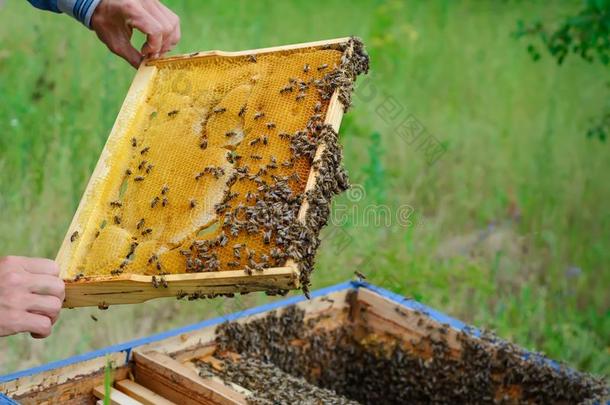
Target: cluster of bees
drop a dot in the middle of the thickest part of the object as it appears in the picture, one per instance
(271, 209)
(270, 385)
(352, 363)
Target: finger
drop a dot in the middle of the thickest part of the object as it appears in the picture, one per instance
(153, 30)
(42, 284)
(129, 53)
(171, 24)
(38, 325)
(44, 305)
(37, 265)
(174, 37)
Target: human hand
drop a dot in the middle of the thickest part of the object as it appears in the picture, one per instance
(31, 295)
(114, 21)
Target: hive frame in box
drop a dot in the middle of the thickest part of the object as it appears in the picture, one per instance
(159, 362)
(135, 288)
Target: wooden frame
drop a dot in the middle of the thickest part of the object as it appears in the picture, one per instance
(131, 288)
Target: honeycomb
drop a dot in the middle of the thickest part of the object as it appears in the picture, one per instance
(204, 120)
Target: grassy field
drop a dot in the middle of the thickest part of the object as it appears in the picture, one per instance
(510, 228)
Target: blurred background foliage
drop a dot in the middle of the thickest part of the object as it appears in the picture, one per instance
(508, 230)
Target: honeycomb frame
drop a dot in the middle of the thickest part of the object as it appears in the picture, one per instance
(104, 290)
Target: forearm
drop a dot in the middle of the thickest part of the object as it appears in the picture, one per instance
(82, 10)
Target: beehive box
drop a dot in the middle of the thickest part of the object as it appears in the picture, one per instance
(216, 177)
(351, 343)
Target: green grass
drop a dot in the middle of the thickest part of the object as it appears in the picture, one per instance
(511, 228)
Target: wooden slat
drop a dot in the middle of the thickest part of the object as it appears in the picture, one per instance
(387, 316)
(180, 384)
(63, 383)
(116, 396)
(141, 393)
(259, 51)
(135, 288)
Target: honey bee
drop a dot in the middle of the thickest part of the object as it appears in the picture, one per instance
(74, 236)
(172, 113)
(117, 220)
(164, 189)
(252, 58)
(233, 157)
(219, 110)
(193, 204)
(233, 264)
(318, 107)
(242, 111)
(270, 125)
(306, 68)
(259, 115)
(140, 224)
(360, 275)
(144, 150)
(164, 282)
(155, 282)
(142, 164)
(149, 168)
(134, 142)
(138, 178)
(164, 202)
(300, 96)
(132, 248)
(265, 140)
(147, 231)
(256, 157)
(323, 66)
(255, 141)
(153, 258)
(181, 294)
(230, 133)
(116, 272)
(285, 135)
(116, 204)
(103, 306)
(154, 202)
(286, 89)
(203, 144)
(128, 172)
(248, 270)
(79, 276)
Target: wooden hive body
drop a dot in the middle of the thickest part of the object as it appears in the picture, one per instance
(187, 125)
(164, 367)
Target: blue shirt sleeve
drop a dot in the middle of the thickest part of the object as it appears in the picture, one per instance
(82, 10)
(49, 5)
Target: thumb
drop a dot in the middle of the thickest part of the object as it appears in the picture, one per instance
(126, 51)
